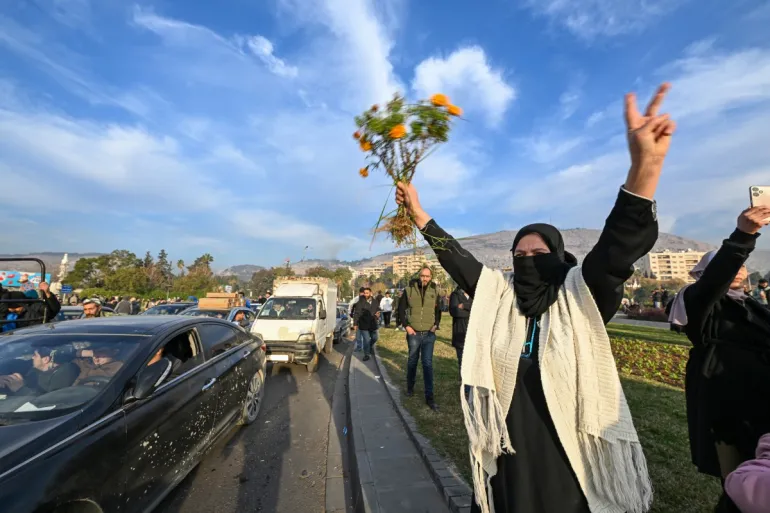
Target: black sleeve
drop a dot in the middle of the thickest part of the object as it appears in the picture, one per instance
(402, 308)
(53, 306)
(461, 266)
(438, 314)
(356, 312)
(629, 233)
(700, 297)
(454, 305)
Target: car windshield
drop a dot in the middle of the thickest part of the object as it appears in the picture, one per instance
(219, 314)
(47, 375)
(166, 309)
(289, 308)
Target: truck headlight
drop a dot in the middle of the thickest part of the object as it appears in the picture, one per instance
(306, 337)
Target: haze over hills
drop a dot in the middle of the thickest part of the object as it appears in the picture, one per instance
(492, 249)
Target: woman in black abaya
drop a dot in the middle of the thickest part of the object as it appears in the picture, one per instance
(539, 478)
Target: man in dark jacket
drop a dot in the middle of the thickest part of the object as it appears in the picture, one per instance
(123, 307)
(460, 309)
(19, 311)
(366, 319)
(420, 313)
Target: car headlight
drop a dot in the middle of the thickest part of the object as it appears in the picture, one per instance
(306, 337)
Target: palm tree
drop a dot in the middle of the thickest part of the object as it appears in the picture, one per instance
(180, 266)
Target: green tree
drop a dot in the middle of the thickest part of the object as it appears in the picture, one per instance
(128, 280)
(180, 266)
(202, 264)
(261, 281)
(86, 274)
(164, 266)
(283, 271)
(118, 259)
(148, 261)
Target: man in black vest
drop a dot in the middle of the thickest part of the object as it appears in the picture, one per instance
(419, 310)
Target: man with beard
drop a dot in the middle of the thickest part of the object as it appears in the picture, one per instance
(19, 311)
(92, 308)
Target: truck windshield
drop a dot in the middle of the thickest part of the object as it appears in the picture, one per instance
(289, 309)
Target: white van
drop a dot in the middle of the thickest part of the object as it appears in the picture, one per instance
(298, 320)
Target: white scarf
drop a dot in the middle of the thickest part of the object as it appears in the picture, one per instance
(581, 386)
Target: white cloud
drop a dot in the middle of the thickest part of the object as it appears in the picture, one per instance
(263, 49)
(589, 19)
(549, 146)
(710, 84)
(466, 75)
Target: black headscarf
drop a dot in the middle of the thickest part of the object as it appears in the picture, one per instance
(537, 279)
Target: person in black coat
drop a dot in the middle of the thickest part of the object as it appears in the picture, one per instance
(727, 380)
(460, 309)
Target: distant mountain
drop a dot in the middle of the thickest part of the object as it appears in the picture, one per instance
(52, 260)
(242, 272)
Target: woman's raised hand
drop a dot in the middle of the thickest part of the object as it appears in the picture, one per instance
(649, 138)
(406, 195)
(753, 219)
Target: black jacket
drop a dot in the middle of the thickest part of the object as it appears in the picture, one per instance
(33, 313)
(459, 315)
(727, 379)
(364, 314)
(123, 307)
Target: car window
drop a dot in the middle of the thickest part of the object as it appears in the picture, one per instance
(183, 351)
(217, 339)
(45, 375)
(250, 316)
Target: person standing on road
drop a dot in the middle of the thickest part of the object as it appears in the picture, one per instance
(359, 345)
(547, 420)
(386, 305)
(460, 309)
(124, 306)
(420, 313)
(366, 318)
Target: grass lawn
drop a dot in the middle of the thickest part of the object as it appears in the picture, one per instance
(658, 410)
(616, 330)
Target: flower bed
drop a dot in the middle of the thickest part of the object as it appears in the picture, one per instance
(664, 363)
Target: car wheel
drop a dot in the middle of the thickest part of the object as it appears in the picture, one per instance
(254, 397)
(313, 364)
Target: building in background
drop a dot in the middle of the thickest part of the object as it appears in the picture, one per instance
(376, 270)
(671, 265)
(411, 264)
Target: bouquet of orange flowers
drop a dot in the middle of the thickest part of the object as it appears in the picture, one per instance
(395, 139)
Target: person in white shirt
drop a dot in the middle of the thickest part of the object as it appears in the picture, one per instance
(386, 305)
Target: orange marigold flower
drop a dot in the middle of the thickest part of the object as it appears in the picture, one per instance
(397, 132)
(375, 107)
(454, 110)
(439, 100)
(364, 172)
(366, 146)
(356, 135)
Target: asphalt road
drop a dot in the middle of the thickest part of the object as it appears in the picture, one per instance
(278, 464)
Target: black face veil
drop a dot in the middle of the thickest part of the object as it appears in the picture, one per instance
(537, 279)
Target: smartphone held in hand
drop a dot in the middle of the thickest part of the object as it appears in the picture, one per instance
(760, 195)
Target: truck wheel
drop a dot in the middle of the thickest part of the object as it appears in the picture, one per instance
(312, 364)
(329, 345)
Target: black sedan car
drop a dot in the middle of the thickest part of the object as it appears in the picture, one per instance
(109, 414)
(168, 309)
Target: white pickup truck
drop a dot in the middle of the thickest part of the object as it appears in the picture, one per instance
(298, 321)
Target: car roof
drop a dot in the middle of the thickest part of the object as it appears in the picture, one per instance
(117, 325)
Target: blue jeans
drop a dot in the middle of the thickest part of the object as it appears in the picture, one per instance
(359, 341)
(421, 343)
(369, 338)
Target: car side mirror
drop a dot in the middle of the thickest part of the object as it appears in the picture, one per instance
(322, 314)
(150, 377)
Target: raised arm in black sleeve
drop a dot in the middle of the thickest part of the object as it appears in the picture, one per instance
(629, 233)
(456, 261)
(701, 297)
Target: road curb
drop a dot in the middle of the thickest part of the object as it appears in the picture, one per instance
(457, 493)
(341, 482)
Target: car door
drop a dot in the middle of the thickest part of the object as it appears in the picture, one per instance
(167, 431)
(228, 348)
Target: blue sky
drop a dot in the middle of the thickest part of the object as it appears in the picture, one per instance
(226, 128)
